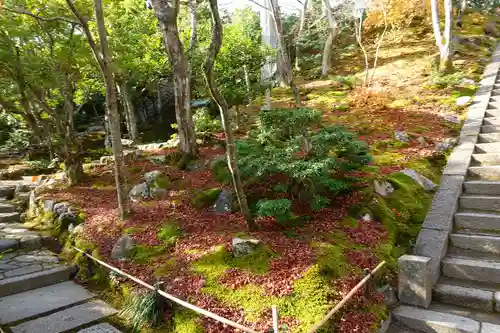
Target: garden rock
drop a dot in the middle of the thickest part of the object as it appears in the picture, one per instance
(445, 145)
(96, 129)
(491, 29)
(138, 192)
(242, 247)
(367, 217)
(224, 202)
(389, 293)
(383, 188)
(61, 208)
(463, 101)
(158, 193)
(48, 205)
(452, 118)
(127, 142)
(106, 159)
(421, 140)
(21, 188)
(122, 248)
(401, 136)
(152, 176)
(423, 181)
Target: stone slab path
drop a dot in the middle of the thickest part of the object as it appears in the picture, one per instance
(36, 295)
(452, 283)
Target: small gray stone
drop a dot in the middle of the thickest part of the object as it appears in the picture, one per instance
(242, 247)
(138, 192)
(122, 248)
(389, 293)
(423, 181)
(402, 136)
(415, 285)
(48, 205)
(452, 118)
(31, 242)
(463, 101)
(159, 193)
(61, 208)
(383, 188)
(224, 202)
(367, 217)
(152, 176)
(490, 328)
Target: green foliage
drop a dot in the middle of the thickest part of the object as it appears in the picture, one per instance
(186, 321)
(203, 122)
(281, 209)
(277, 148)
(220, 171)
(143, 253)
(141, 309)
(331, 260)
(441, 81)
(42, 165)
(169, 233)
(206, 197)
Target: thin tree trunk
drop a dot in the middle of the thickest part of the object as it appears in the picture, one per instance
(247, 83)
(359, 38)
(124, 105)
(167, 11)
(379, 43)
(130, 112)
(443, 41)
(113, 115)
(461, 13)
(194, 31)
(303, 15)
(332, 29)
(282, 52)
(224, 112)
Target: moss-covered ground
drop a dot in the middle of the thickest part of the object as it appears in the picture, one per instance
(303, 269)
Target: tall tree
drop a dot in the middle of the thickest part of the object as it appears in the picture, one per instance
(104, 60)
(443, 40)
(283, 56)
(166, 12)
(332, 34)
(303, 15)
(213, 50)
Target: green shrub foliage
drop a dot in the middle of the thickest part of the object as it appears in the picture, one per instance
(276, 148)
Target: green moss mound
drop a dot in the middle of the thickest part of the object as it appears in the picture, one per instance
(205, 198)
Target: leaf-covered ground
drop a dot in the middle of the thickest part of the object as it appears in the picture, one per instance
(303, 269)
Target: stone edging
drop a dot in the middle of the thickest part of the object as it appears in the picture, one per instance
(419, 273)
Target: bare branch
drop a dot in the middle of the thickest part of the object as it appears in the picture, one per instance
(48, 19)
(258, 4)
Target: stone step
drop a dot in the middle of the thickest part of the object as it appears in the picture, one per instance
(7, 208)
(429, 321)
(490, 129)
(7, 191)
(493, 110)
(488, 138)
(485, 159)
(481, 316)
(481, 148)
(490, 172)
(453, 292)
(100, 328)
(481, 187)
(492, 106)
(495, 92)
(34, 280)
(27, 304)
(68, 319)
(477, 220)
(472, 269)
(494, 99)
(10, 217)
(480, 202)
(491, 121)
(480, 242)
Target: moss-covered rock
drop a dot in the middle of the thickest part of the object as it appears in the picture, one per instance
(206, 197)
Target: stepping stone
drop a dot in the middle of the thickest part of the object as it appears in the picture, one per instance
(471, 269)
(7, 208)
(7, 191)
(27, 304)
(47, 277)
(10, 217)
(8, 244)
(67, 319)
(101, 328)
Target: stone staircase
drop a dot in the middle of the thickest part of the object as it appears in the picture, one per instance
(36, 294)
(452, 284)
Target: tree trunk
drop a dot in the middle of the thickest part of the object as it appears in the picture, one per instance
(167, 18)
(282, 52)
(113, 115)
(224, 112)
(443, 41)
(332, 33)
(247, 83)
(379, 43)
(129, 112)
(194, 31)
(359, 38)
(303, 15)
(461, 13)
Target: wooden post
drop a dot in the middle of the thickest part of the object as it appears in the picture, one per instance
(89, 262)
(275, 318)
(160, 300)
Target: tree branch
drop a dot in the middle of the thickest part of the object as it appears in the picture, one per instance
(258, 4)
(48, 19)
